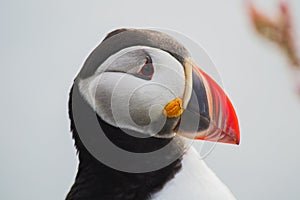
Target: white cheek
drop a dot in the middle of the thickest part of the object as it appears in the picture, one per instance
(87, 87)
(138, 104)
(149, 97)
(168, 71)
(126, 101)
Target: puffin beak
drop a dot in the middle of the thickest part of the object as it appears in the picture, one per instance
(207, 113)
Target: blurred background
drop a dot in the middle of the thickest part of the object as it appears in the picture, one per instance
(43, 44)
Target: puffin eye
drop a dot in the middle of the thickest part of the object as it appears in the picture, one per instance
(147, 70)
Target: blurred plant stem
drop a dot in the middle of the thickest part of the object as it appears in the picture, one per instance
(279, 30)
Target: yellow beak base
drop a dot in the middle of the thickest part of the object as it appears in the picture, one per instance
(174, 108)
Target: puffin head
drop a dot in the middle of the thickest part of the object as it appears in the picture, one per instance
(145, 83)
(131, 89)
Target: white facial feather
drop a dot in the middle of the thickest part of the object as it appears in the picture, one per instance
(126, 101)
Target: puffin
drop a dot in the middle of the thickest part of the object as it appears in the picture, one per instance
(135, 108)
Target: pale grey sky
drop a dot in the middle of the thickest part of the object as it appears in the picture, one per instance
(44, 43)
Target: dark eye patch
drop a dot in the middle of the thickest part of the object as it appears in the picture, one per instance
(147, 70)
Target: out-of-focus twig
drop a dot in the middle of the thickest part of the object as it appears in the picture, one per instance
(277, 29)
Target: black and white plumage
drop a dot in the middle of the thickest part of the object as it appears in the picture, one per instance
(107, 87)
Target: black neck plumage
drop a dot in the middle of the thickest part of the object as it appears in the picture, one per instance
(94, 180)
